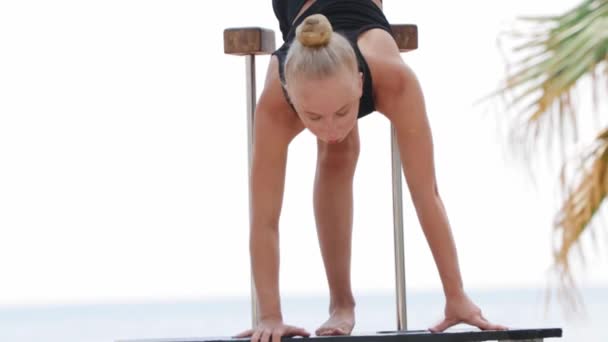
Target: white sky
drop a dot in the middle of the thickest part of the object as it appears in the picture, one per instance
(123, 157)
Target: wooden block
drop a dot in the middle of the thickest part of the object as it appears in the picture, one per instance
(248, 41)
(261, 41)
(406, 36)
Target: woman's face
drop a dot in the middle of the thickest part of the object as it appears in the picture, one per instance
(328, 107)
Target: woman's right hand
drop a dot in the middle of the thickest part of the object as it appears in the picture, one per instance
(271, 330)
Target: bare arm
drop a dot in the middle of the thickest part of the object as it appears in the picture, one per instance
(406, 111)
(416, 148)
(399, 97)
(275, 126)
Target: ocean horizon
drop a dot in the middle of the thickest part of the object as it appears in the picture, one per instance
(226, 316)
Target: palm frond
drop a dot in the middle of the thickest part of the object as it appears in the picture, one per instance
(559, 52)
(585, 191)
(552, 57)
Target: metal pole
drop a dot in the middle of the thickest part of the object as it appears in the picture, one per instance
(398, 233)
(251, 102)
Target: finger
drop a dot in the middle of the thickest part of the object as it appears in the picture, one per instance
(483, 324)
(245, 333)
(266, 334)
(480, 323)
(494, 326)
(256, 336)
(500, 327)
(446, 323)
(276, 336)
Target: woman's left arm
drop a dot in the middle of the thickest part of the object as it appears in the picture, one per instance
(399, 97)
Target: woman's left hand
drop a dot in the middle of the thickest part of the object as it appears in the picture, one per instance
(460, 309)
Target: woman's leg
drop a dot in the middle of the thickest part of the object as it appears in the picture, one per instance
(333, 206)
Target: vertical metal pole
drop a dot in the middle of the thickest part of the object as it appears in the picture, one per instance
(251, 102)
(398, 233)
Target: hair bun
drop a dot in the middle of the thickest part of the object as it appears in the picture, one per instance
(314, 31)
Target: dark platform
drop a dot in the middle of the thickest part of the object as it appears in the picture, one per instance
(391, 336)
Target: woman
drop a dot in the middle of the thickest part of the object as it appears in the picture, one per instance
(321, 80)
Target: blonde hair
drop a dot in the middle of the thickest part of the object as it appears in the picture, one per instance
(318, 51)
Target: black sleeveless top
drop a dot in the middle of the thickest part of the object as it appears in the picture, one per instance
(348, 17)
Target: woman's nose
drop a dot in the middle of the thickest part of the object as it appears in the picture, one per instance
(332, 130)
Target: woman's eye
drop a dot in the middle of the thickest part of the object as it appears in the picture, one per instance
(341, 114)
(315, 118)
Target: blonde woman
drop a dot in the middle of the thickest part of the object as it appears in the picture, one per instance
(338, 64)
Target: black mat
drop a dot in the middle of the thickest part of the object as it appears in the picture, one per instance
(393, 336)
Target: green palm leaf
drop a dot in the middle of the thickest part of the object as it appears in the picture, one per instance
(555, 55)
(586, 190)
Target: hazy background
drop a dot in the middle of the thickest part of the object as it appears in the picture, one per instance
(123, 158)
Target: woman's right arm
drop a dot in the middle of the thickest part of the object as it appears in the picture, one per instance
(267, 184)
(275, 125)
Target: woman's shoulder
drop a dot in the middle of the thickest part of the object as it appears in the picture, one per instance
(272, 100)
(391, 76)
(381, 54)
